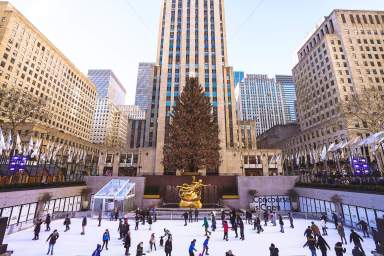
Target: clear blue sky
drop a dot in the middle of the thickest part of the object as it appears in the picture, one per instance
(263, 35)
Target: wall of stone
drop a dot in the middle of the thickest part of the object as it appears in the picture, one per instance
(271, 185)
(351, 198)
(30, 196)
(95, 183)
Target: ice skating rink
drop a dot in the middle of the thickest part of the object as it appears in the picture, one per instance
(71, 243)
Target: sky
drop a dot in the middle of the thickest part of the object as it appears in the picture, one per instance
(262, 35)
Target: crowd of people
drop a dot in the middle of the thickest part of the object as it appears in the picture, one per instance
(315, 236)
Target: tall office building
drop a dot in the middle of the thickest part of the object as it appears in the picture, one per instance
(289, 96)
(30, 62)
(261, 99)
(192, 41)
(344, 54)
(144, 85)
(110, 126)
(238, 77)
(107, 85)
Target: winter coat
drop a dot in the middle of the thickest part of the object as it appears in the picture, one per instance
(168, 246)
(185, 215)
(67, 221)
(206, 241)
(308, 232)
(322, 244)
(273, 251)
(84, 223)
(152, 240)
(356, 252)
(48, 219)
(339, 250)
(53, 237)
(281, 222)
(355, 238)
(150, 220)
(192, 247)
(311, 243)
(106, 236)
(225, 227)
(205, 224)
(97, 251)
(315, 229)
(340, 230)
(139, 250)
(37, 226)
(364, 225)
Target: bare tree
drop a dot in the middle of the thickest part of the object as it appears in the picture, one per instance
(18, 107)
(367, 107)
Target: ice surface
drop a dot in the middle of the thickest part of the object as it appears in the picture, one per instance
(71, 243)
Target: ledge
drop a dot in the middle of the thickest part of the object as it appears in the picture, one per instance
(368, 189)
(20, 187)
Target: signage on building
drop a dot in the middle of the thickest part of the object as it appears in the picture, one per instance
(271, 203)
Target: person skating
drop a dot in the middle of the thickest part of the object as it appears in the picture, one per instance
(192, 248)
(241, 226)
(335, 219)
(48, 222)
(206, 226)
(273, 250)
(116, 214)
(137, 221)
(168, 247)
(36, 229)
(185, 215)
(161, 242)
(324, 217)
(290, 220)
(315, 229)
(205, 246)
(229, 253)
(257, 225)
(52, 238)
(127, 243)
(311, 243)
(83, 224)
(67, 222)
(106, 238)
(152, 242)
(125, 227)
(265, 215)
(281, 223)
(196, 215)
(97, 251)
(140, 249)
(364, 228)
(225, 229)
(235, 227)
(322, 245)
(339, 249)
(99, 219)
(324, 227)
(120, 229)
(222, 217)
(376, 238)
(356, 252)
(190, 215)
(356, 240)
(150, 222)
(341, 232)
(213, 222)
(308, 232)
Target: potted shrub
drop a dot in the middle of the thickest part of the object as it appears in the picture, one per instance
(294, 198)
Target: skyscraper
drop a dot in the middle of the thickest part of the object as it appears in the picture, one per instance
(261, 99)
(289, 96)
(107, 85)
(343, 55)
(144, 85)
(192, 41)
(238, 77)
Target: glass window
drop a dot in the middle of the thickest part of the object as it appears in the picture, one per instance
(62, 201)
(313, 205)
(318, 207)
(24, 213)
(371, 218)
(15, 215)
(32, 210)
(70, 206)
(362, 214)
(78, 203)
(347, 216)
(51, 205)
(354, 216)
(6, 212)
(328, 209)
(379, 214)
(57, 205)
(66, 204)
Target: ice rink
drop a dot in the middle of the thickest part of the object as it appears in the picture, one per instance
(71, 243)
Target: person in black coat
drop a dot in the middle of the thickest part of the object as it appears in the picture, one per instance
(185, 215)
(67, 222)
(83, 224)
(52, 238)
(196, 215)
(48, 222)
(137, 220)
(234, 228)
(266, 216)
(140, 249)
(308, 232)
(364, 227)
(356, 240)
(339, 250)
(291, 220)
(213, 222)
(120, 230)
(356, 252)
(36, 230)
(281, 223)
(335, 219)
(190, 215)
(127, 243)
(241, 226)
(168, 247)
(99, 219)
(273, 250)
(322, 245)
(150, 222)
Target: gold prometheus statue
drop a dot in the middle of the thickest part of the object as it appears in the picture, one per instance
(190, 194)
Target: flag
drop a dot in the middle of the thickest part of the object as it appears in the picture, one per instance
(2, 142)
(18, 144)
(8, 144)
(36, 148)
(323, 155)
(30, 146)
